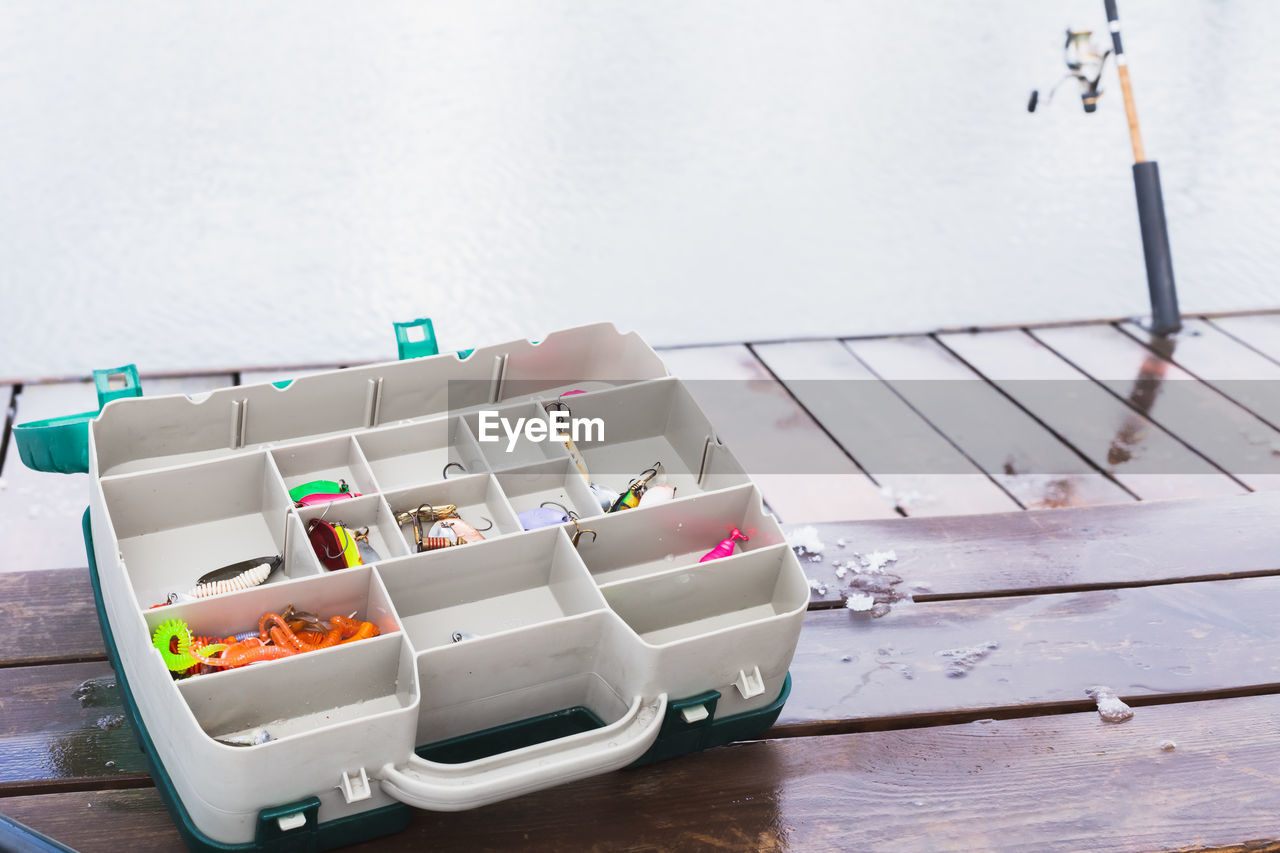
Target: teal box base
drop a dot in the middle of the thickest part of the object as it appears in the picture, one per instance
(676, 737)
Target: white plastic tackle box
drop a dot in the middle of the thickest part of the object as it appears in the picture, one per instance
(574, 660)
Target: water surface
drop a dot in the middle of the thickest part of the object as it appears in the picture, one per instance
(204, 184)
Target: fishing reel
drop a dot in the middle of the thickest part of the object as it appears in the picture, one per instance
(1084, 64)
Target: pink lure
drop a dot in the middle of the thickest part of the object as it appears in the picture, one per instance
(725, 548)
(312, 500)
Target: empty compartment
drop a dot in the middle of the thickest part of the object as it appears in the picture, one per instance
(710, 597)
(560, 482)
(478, 499)
(538, 683)
(639, 542)
(478, 590)
(647, 424)
(370, 512)
(177, 524)
(336, 460)
(512, 436)
(302, 694)
(416, 454)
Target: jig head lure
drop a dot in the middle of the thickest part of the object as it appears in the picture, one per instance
(725, 548)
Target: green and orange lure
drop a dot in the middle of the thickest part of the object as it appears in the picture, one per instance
(630, 499)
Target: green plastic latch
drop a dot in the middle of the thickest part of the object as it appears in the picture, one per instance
(289, 828)
(416, 338)
(61, 445)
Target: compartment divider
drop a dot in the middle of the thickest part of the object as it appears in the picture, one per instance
(468, 449)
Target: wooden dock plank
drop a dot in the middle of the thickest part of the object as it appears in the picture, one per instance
(1235, 370)
(48, 616)
(1067, 782)
(1233, 438)
(767, 431)
(931, 661)
(924, 474)
(1260, 331)
(1030, 462)
(46, 508)
(1145, 458)
(922, 663)
(64, 723)
(1090, 547)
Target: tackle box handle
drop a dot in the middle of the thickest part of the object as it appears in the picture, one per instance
(61, 445)
(455, 787)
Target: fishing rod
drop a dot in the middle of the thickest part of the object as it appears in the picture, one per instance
(1085, 64)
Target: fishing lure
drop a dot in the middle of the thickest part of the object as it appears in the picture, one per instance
(354, 630)
(247, 579)
(350, 551)
(569, 445)
(544, 516)
(367, 554)
(321, 498)
(243, 654)
(172, 638)
(725, 548)
(429, 511)
(630, 499)
(316, 487)
(232, 570)
(456, 531)
(604, 495)
(329, 548)
(655, 495)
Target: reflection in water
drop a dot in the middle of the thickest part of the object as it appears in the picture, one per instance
(1142, 397)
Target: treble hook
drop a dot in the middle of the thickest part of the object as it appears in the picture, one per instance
(444, 474)
(578, 531)
(641, 479)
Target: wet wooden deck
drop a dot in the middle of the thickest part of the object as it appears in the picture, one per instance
(956, 720)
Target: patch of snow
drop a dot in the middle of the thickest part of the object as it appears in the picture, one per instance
(960, 661)
(805, 540)
(1110, 707)
(875, 562)
(859, 602)
(817, 586)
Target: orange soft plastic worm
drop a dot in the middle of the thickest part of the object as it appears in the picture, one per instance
(243, 654)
